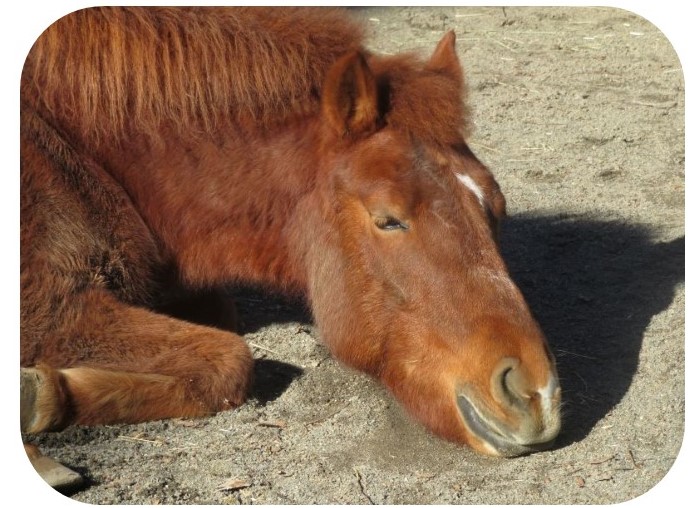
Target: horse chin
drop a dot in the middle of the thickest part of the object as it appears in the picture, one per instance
(495, 438)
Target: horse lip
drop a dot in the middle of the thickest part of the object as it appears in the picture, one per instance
(493, 434)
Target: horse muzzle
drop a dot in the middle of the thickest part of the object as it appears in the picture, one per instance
(518, 419)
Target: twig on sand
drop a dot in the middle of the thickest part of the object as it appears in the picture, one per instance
(360, 481)
(234, 484)
(262, 348)
(634, 462)
(660, 105)
(602, 461)
(328, 415)
(278, 424)
(157, 442)
(482, 146)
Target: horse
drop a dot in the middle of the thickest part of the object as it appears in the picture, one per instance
(167, 153)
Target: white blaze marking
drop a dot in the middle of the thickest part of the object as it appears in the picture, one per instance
(470, 184)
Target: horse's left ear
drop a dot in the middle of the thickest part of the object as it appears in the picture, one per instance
(350, 96)
(444, 58)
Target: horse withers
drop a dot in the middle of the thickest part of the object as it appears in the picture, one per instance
(166, 150)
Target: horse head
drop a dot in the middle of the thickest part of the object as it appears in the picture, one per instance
(406, 281)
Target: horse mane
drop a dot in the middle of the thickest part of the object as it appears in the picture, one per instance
(104, 72)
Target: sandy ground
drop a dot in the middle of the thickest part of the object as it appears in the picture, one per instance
(580, 114)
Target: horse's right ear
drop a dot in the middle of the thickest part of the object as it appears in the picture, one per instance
(349, 99)
(445, 59)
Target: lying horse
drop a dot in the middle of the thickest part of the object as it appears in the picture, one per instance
(169, 150)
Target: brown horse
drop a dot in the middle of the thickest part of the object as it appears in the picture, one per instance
(170, 150)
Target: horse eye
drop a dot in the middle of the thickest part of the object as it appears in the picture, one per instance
(390, 224)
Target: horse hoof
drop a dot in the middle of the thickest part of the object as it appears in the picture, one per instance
(41, 400)
(30, 382)
(55, 474)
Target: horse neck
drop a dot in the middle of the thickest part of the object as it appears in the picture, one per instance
(224, 209)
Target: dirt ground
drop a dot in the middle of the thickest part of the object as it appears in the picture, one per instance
(580, 114)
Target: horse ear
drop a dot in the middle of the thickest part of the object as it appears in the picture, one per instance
(444, 58)
(350, 96)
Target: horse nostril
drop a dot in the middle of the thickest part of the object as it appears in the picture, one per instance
(508, 383)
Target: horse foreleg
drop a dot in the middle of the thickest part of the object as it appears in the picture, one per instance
(123, 364)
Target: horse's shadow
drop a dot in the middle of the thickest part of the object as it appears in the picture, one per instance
(256, 309)
(594, 286)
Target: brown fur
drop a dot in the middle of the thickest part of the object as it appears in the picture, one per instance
(108, 70)
(167, 151)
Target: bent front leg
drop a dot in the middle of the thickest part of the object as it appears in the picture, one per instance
(117, 363)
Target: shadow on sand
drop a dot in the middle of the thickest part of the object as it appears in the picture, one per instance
(594, 286)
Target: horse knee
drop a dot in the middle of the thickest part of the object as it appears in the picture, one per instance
(224, 381)
(237, 375)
